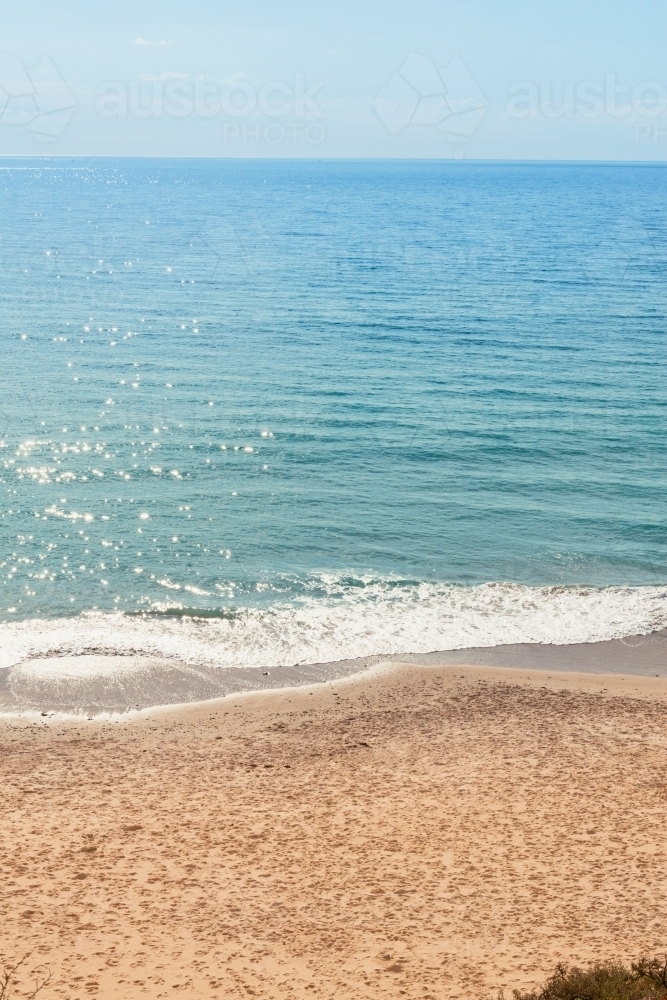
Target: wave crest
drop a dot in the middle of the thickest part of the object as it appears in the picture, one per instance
(340, 617)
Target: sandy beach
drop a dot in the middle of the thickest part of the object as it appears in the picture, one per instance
(426, 832)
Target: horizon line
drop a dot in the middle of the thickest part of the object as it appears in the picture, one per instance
(335, 159)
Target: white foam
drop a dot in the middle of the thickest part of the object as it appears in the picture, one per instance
(76, 667)
(347, 620)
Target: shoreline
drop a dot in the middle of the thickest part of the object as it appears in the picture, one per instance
(432, 830)
(101, 685)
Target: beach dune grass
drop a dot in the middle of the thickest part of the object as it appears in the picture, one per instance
(643, 980)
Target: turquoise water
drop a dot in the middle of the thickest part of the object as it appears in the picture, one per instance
(281, 411)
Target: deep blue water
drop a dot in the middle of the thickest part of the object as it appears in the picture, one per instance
(320, 380)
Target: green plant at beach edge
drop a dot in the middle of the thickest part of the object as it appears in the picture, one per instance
(644, 980)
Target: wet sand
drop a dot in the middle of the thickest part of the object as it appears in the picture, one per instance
(93, 683)
(429, 832)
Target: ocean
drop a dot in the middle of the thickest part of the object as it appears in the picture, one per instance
(257, 417)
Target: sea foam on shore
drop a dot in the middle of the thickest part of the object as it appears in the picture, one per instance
(98, 662)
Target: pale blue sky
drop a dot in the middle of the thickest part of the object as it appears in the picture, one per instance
(513, 80)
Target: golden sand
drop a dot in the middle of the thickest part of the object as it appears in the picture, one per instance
(430, 832)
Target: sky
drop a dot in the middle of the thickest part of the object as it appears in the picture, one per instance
(476, 79)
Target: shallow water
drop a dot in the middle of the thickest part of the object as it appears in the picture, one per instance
(258, 414)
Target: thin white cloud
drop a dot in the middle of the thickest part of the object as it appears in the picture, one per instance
(163, 77)
(143, 41)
